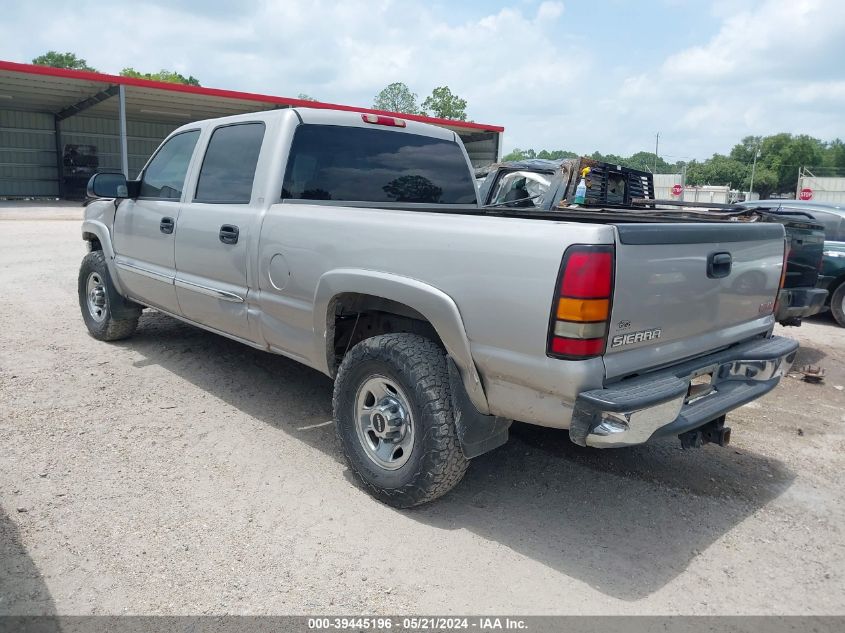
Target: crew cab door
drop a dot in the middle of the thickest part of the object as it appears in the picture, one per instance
(212, 243)
(144, 228)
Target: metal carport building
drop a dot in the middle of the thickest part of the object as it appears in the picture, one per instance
(58, 126)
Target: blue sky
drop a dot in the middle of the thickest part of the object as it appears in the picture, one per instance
(557, 74)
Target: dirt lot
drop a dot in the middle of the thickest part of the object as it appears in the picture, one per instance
(178, 472)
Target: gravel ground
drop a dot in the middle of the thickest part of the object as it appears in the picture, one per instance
(178, 472)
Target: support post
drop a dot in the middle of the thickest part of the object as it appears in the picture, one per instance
(60, 165)
(656, 145)
(124, 146)
(753, 169)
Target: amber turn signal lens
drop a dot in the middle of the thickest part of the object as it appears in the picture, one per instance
(583, 309)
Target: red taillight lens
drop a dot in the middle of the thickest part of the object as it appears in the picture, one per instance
(577, 347)
(581, 309)
(587, 275)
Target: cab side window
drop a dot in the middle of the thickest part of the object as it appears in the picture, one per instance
(164, 177)
(228, 168)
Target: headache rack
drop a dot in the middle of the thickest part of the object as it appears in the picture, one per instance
(610, 185)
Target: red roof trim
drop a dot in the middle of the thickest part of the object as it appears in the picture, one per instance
(83, 75)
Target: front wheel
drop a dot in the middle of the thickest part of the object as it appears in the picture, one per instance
(837, 304)
(394, 418)
(97, 299)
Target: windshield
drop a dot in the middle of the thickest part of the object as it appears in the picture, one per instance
(525, 189)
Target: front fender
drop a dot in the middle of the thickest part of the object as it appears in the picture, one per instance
(97, 228)
(434, 304)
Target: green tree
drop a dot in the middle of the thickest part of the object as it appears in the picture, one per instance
(834, 155)
(162, 75)
(305, 97)
(519, 154)
(614, 159)
(556, 154)
(397, 97)
(63, 60)
(744, 151)
(560, 154)
(442, 103)
(765, 181)
(718, 170)
(779, 158)
(784, 154)
(645, 161)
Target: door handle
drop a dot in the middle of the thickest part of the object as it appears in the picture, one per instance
(719, 265)
(229, 234)
(166, 225)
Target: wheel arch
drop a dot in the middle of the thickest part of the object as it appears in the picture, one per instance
(833, 286)
(96, 231)
(401, 296)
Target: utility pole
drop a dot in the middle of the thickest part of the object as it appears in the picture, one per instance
(656, 145)
(753, 168)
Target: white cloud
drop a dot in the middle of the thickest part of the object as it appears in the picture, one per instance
(774, 67)
(549, 11)
(779, 37)
(770, 66)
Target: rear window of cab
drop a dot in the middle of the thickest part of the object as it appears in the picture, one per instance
(329, 162)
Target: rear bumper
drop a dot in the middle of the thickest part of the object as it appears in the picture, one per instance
(634, 410)
(799, 302)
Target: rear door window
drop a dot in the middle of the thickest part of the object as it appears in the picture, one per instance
(330, 162)
(228, 168)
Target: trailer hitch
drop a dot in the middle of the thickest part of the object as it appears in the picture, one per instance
(714, 431)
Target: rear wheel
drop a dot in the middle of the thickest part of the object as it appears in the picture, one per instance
(394, 418)
(837, 304)
(97, 299)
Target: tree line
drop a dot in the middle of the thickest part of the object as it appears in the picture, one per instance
(779, 157)
(441, 103)
(395, 97)
(74, 62)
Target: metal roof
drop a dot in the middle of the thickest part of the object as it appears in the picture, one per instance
(58, 90)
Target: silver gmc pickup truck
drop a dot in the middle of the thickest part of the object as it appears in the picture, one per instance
(355, 244)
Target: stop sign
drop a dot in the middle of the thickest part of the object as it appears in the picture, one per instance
(806, 194)
(677, 190)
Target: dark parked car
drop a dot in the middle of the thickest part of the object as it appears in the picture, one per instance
(832, 218)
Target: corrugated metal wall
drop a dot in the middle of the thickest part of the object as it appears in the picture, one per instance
(143, 139)
(482, 147)
(27, 154)
(28, 148)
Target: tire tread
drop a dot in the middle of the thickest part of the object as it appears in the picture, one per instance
(423, 363)
(837, 304)
(110, 329)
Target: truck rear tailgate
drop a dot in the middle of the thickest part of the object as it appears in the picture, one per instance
(683, 290)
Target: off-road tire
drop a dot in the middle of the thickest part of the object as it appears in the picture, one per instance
(837, 304)
(418, 365)
(109, 328)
